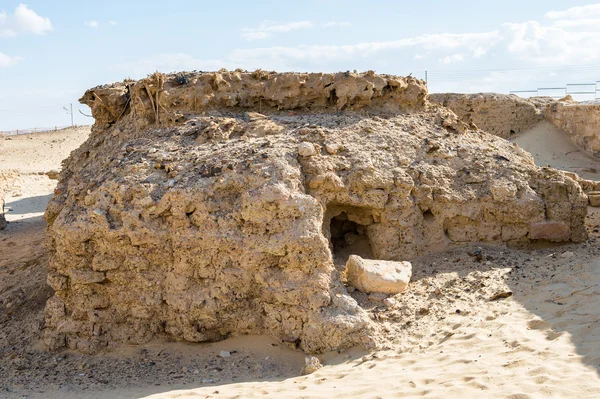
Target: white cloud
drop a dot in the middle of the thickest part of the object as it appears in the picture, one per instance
(113, 23)
(23, 20)
(92, 24)
(7, 61)
(577, 23)
(279, 56)
(451, 59)
(333, 24)
(576, 12)
(266, 29)
(547, 44)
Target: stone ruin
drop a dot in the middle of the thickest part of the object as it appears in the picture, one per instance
(205, 205)
(499, 114)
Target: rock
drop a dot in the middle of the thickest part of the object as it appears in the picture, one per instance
(499, 114)
(311, 364)
(567, 255)
(378, 276)
(390, 302)
(568, 98)
(53, 174)
(307, 149)
(580, 122)
(594, 198)
(248, 229)
(551, 231)
(225, 354)
(501, 295)
(332, 148)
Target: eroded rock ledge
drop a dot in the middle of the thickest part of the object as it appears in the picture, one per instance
(206, 205)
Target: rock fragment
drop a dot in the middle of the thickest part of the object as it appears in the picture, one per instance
(53, 174)
(594, 198)
(378, 276)
(307, 149)
(311, 364)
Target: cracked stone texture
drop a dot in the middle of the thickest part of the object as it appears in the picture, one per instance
(197, 209)
(499, 114)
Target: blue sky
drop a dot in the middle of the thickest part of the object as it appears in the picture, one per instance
(52, 51)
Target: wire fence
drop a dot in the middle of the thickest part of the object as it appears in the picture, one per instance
(33, 130)
(582, 82)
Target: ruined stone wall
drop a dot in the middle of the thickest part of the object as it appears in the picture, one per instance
(580, 121)
(499, 114)
(200, 207)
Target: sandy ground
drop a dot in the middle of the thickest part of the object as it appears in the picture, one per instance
(552, 147)
(455, 333)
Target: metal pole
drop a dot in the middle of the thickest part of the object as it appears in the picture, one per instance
(72, 124)
(426, 77)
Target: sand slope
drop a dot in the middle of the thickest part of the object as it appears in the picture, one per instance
(551, 146)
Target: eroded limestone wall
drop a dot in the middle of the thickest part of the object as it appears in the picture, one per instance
(580, 121)
(199, 207)
(499, 114)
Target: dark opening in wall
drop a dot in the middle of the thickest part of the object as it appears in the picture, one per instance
(348, 237)
(428, 216)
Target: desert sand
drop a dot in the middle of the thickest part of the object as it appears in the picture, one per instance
(455, 333)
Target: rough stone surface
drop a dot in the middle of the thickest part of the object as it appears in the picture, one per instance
(594, 198)
(188, 214)
(311, 364)
(53, 174)
(378, 276)
(580, 121)
(499, 114)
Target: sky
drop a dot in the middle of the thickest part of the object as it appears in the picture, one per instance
(52, 51)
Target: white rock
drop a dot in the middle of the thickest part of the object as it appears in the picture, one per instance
(225, 354)
(369, 275)
(307, 149)
(332, 148)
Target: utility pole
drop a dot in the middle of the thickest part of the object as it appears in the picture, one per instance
(70, 111)
(426, 77)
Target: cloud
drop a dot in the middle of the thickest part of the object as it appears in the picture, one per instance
(334, 24)
(281, 56)
(548, 44)
(92, 24)
(113, 23)
(23, 20)
(575, 12)
(8, 61)
(266, 29)
(577, 23)
(451, 59)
